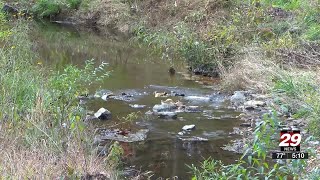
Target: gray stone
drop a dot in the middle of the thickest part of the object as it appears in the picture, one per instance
(163, 107)
(162, 114)
(141, 135)
(252, 104)
(194, 139)
(103, 114)
(102, 92)
(237, 146)
(238, 98)
(90, 118)
(260, 96)
(192, 109)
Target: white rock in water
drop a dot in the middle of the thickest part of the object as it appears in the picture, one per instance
(188, 127)
(197, 98)
(238, 97)
(254, 103)
(103, 114)
(180, 133)
(96, 96)
(104, 97)
(137, 106)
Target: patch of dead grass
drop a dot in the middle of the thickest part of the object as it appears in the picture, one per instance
(252, 72)
(19, 162)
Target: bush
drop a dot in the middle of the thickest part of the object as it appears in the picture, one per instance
(254, 163)
(74, 4)
(313, 32)
(202, 56)
(40, 116)
(46, 8)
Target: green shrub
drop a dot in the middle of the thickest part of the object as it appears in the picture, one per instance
(313, 32)
(284, 4)
(46, 8)
(254, 163)
(67, 85)
(74, 4)
(202, 55)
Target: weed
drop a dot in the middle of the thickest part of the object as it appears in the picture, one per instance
(313, 32)
(113, 160)
(254, 163)
(46, 8)
(41, 121)
(73, 4)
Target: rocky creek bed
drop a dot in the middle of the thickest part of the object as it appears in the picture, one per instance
(180, 119)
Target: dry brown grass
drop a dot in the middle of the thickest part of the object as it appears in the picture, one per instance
(154, 14)
(19, 162)
(29, 153)
(252, 72)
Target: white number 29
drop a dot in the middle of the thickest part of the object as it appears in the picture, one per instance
(295, 140)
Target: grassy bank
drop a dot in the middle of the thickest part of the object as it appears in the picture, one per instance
(268, 46)
(43, 135)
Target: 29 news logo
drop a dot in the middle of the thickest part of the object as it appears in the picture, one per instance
(290, 140)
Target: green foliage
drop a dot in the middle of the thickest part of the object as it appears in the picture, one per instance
(46, 8)
(305, 91)
(315, 174)
(4, 28)
(254, 163)
(195, 16)
(66, 86)
(313, 32)
(74, 4)
(19, 82)
(284, 4)
(199, 54)
(115, 155)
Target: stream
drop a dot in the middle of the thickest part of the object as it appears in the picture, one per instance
(135, 71)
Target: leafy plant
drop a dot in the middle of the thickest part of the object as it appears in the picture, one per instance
(254, 163)
(313, 32)
(284, 4)
(74, 4)
(66, 86)
(46, 8)
(115, 154)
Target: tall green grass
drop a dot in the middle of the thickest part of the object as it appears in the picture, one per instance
(43, 133)
(47, 8)
(254, 163)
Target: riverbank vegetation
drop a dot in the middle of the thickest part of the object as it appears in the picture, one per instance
(268, 46)
(42, 132)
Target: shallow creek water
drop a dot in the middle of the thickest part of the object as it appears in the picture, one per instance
(133, 70)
